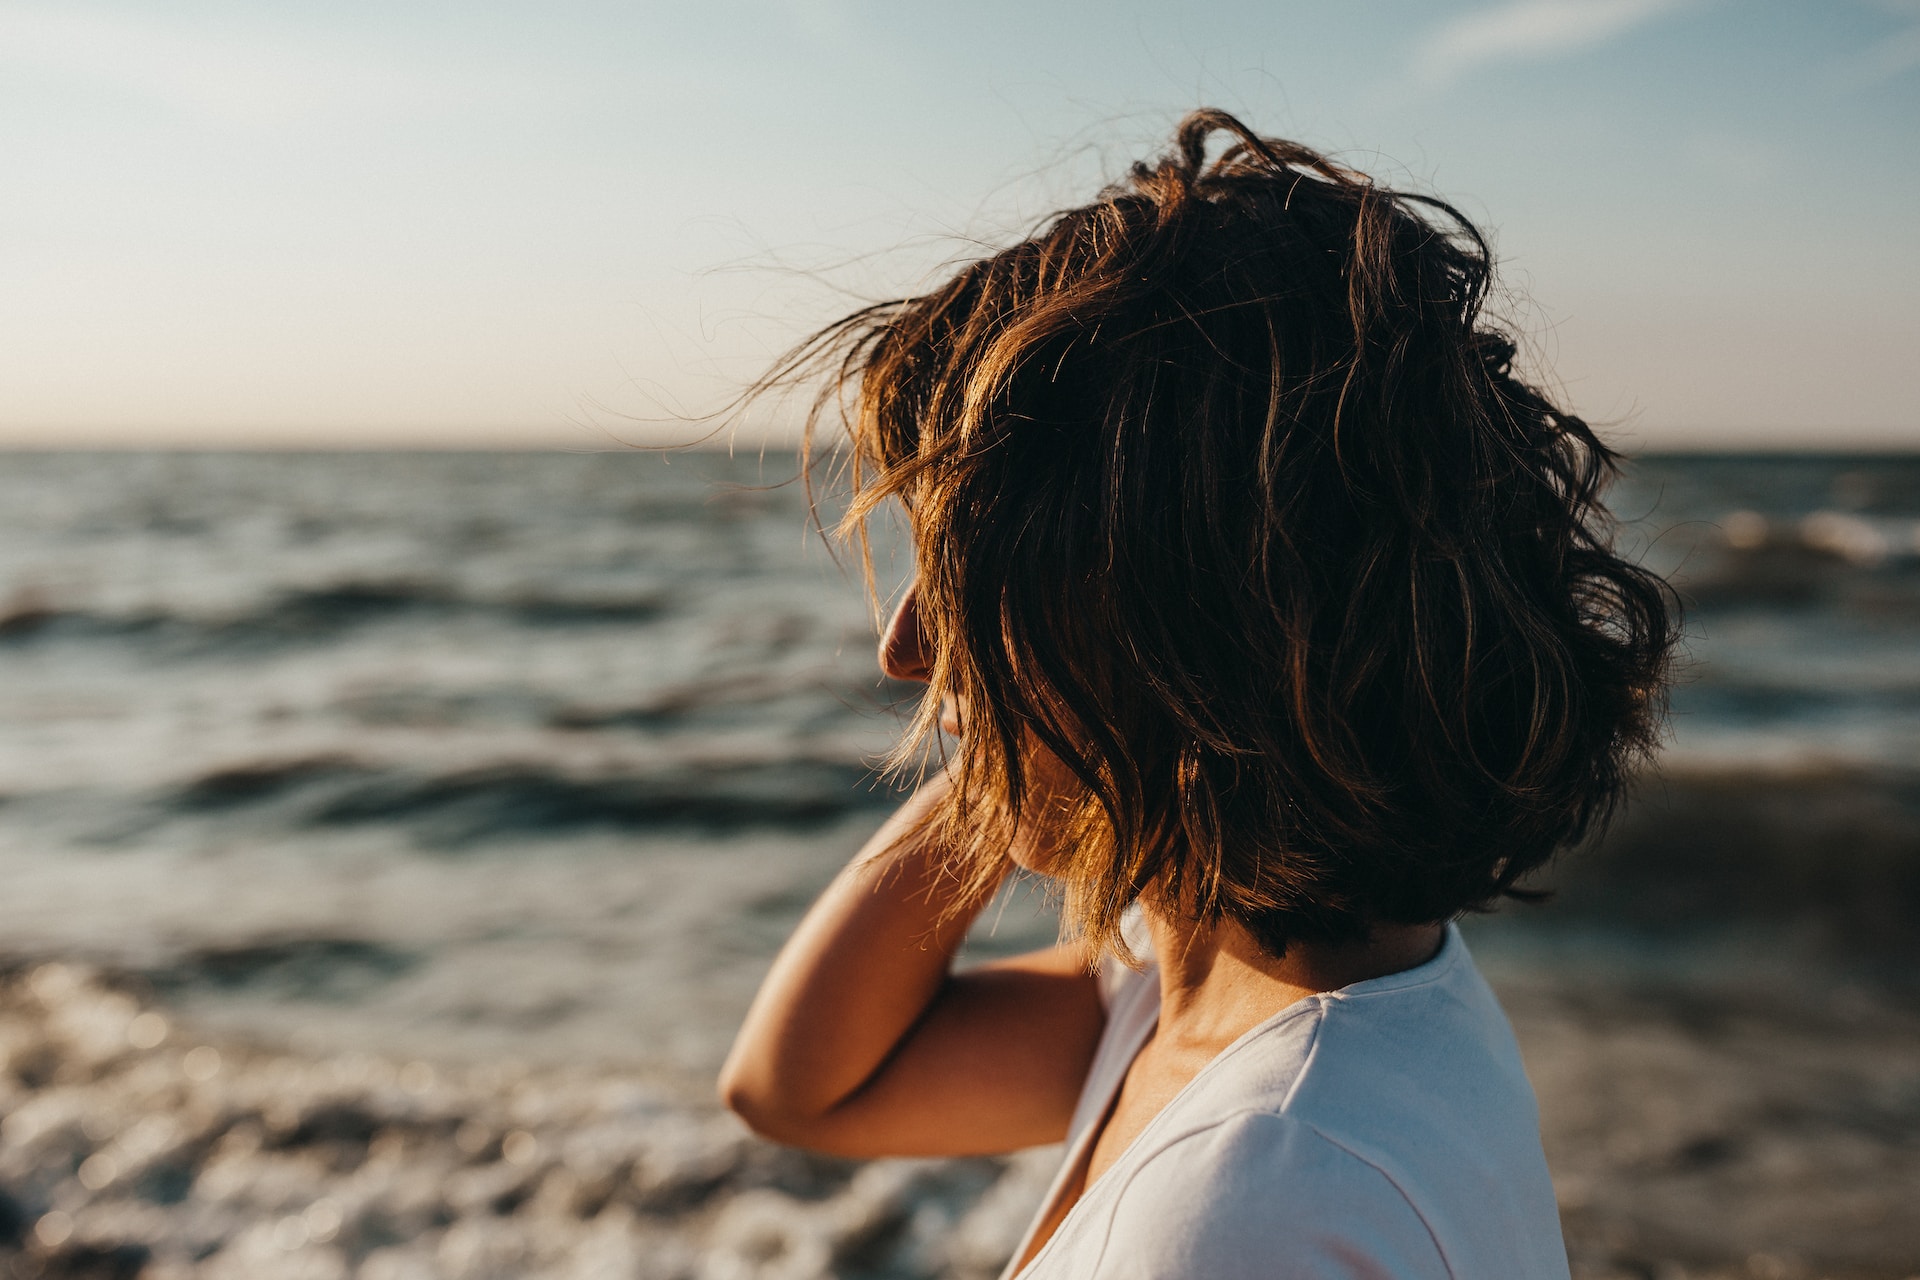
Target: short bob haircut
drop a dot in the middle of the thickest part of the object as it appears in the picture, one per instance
(1225, 492)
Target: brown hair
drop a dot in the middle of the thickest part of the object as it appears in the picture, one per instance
(1225, 492)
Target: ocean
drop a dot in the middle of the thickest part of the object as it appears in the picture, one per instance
(527, 762)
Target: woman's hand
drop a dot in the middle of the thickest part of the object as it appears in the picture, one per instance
(862, 1042)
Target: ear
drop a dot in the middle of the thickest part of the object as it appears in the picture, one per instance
(903, 646)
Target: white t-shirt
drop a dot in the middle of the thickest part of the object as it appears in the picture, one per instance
(1384, 1131)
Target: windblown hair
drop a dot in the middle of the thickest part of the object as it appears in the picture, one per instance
(1225, 493)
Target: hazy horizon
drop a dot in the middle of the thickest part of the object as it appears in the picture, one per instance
(570, 225)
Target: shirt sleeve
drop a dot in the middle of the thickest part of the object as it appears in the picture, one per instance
(1260, 1195)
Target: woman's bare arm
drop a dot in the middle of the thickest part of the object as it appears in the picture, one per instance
(862, 1042)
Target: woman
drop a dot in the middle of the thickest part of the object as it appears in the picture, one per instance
(1274, 617)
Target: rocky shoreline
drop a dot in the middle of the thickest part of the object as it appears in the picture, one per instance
(131, 1149)
(1761, 1135)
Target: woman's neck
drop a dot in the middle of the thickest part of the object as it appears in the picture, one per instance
(1216, 983)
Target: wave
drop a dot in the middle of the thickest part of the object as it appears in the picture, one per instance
(734, 698)
(318, 614)
(473, 806)
(1751, 703)
(1827, 558)
(247, 784)
(303, 968)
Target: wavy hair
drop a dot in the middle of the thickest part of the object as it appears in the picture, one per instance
(1225, 492)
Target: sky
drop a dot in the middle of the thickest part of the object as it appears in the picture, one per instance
(573, 223)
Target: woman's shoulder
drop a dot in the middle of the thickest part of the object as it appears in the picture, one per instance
(1261, 1193)
(1417, 1073)
(1423, 1057)
(1391, 1117)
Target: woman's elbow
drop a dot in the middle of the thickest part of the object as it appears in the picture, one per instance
(761, 1106)
(742, 1094)
(746, 1103)
(779, 1117)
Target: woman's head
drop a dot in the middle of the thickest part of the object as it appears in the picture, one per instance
(1227, 499)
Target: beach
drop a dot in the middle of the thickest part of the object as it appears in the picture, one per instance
(129, 1149)
(1764, 1132)
(393, 842)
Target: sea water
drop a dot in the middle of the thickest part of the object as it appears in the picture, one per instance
(538, 756)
